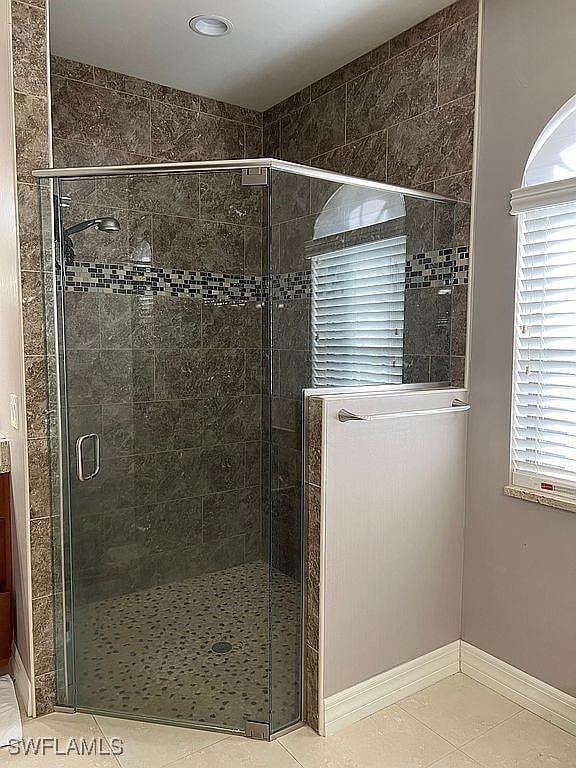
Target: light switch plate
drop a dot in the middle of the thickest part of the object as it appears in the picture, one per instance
(14, 420)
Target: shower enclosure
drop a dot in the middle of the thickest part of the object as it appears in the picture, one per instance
(188, 307)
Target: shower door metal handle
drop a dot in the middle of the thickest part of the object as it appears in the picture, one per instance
(80, 458)
(458, 406)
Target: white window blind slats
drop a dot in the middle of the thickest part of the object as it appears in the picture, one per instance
(373, 295)
(544, 405)
(347, 267)
(358, 314)
(557, 434)
(371, 251)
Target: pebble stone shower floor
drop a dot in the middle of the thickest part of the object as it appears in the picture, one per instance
(149, 654)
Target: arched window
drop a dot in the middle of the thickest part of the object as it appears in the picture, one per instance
(351, 208)
(553, 157)
(543, 446)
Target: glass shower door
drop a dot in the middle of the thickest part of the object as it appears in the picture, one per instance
(166, 572)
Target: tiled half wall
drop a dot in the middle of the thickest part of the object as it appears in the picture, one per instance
(312, 546)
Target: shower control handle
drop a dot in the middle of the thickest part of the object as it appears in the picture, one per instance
(80, 458)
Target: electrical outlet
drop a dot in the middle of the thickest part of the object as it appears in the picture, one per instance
(14, 420)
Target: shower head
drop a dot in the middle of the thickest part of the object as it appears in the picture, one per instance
(104, 224)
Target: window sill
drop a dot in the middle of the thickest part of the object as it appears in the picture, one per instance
(547, 500)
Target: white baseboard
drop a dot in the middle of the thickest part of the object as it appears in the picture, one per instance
(540, 698)
(21, 682)
(349, 706)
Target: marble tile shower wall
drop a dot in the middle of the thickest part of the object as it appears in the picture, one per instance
(180, 409)
(31, 116)
(178, 413)
(173, 123)
(402, 113)
(106, 118)
(171, 383)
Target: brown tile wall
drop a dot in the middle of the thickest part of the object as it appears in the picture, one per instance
(31, 114)
(312, 544)
(188, 433)
(171, 384)
(106, 118)
(143, 119)
(404, 114)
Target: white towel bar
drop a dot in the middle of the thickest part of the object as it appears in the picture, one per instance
(458, 406)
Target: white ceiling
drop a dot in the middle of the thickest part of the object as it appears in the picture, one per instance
(276, 48)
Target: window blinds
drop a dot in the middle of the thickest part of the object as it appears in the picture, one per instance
(544, 397)
(358, 314)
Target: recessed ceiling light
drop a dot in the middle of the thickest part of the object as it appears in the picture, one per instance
(210, 26)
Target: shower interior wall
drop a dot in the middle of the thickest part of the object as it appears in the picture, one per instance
(212, 430)
(172, 384)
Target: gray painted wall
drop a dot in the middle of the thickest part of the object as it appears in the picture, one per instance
(520, 558)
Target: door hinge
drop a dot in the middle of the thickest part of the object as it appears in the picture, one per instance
(254, 730)
(254, 177)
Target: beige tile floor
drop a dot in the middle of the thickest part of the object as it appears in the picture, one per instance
(456, 723)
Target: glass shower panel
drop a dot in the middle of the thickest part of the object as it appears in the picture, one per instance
(432, 263)
(58, 452)
(362, 284)
(355, 302)
(159, 286)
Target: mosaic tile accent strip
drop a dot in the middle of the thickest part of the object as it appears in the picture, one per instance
(83, 276)
(292, 285)
(446, 267)
(88, 277)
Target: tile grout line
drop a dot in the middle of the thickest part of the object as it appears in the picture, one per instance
(438, 73)
(468, 741)
(451, 754)
(29, 5)
(97, 724)
(506, 720)
(285, 748)
(150, 126)
(184, 756)
(387, 152)
(193, 752)
(346, 114)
